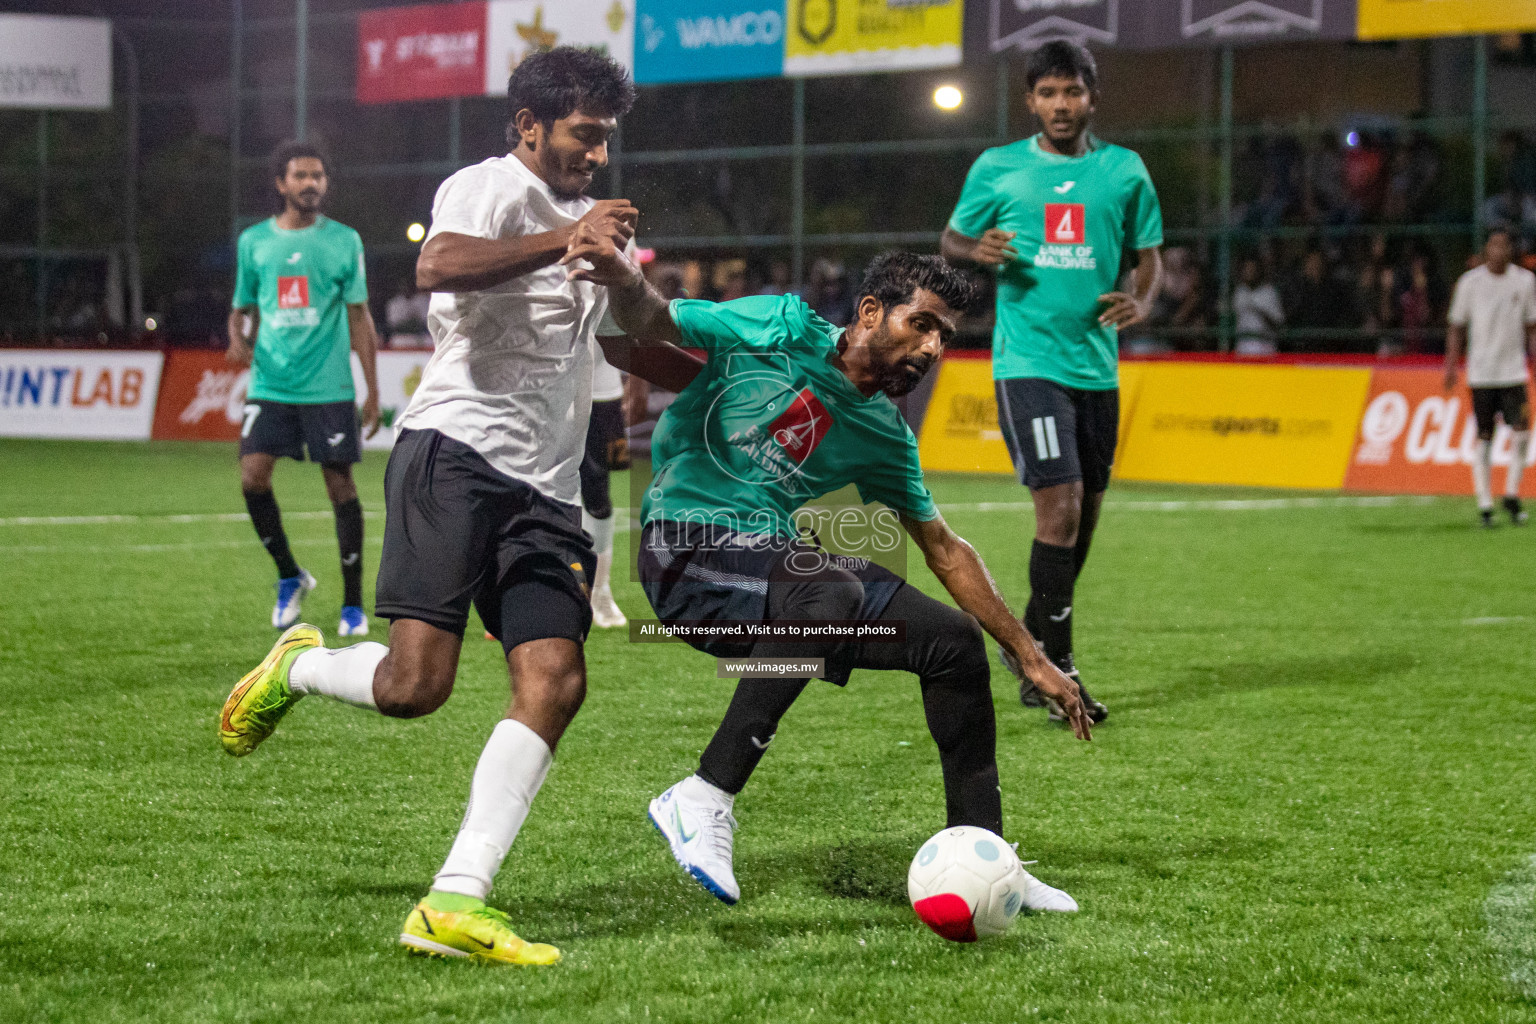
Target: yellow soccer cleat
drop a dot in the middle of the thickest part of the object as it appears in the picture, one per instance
(481, 933)
(260, 700)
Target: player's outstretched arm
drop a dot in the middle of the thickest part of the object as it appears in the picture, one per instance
(651, 351)
(452, 262)
(960, 569)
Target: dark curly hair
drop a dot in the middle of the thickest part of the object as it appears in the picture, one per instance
(558, 82)
(1063, 59)
(894, 278)
(291, 150)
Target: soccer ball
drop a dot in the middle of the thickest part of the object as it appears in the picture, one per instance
(966, 883)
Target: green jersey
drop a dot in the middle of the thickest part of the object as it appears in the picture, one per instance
(301, 283)
(1072, 218)
(770, 423)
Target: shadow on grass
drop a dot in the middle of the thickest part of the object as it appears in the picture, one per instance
(1201, 682)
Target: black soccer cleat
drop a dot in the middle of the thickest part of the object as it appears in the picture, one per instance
(1029, 696)
(1096, 712)
(1485, 518)
(1517, 515)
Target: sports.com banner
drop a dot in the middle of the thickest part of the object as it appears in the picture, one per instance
(108, 396)
(202, 397)
(1388, 428)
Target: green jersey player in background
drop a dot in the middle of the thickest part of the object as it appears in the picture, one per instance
(1053, 214)
(300, 309)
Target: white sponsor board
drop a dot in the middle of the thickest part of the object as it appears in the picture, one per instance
(516, 28)
(49, 63)
(67, 394)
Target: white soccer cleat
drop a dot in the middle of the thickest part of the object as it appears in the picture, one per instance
(606, 613)
(354, 622)
(700, 831)
(290, 599)
(1039, 896)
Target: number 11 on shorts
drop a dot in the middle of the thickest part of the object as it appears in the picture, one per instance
(1046, 445)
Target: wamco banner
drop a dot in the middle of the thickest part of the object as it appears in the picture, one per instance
(49, 63)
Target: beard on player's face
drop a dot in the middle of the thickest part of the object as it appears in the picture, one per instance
(899, 365)
(571, 151)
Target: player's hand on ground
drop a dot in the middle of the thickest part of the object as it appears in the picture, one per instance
(369, 416)
(1124, 310)
(614, 219)
(610, 267)
(239, 353)
(992, 248)
(1056, 685)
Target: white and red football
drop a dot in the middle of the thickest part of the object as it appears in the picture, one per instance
(966, 884)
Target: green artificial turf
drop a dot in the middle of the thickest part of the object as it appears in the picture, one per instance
(1318, 766)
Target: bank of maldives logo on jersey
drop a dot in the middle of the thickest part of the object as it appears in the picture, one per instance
(293, 308)
(1065, 235)
(800, 428)
(292, 292)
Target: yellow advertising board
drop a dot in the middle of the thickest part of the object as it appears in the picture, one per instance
(960, 432)
(1263, 426)
(1394, 19)
(828, 37)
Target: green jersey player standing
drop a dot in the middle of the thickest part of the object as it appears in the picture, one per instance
(300, 309)
(1052, 214)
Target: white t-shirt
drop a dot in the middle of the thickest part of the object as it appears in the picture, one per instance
(1257, 311)
(511, 371)
(607, 382)
(1495, 309)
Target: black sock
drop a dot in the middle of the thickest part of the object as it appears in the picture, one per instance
(1052, 571)
(749, 723)
(349, 537)
(268, 521)
(1080, 553)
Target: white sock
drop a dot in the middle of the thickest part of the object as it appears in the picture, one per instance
(508, 776)
(1482, 473)
(601, 531)
(1519, 452)
(344, 674)
(697, 788)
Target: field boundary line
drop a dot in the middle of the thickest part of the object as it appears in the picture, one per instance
(1509, 911)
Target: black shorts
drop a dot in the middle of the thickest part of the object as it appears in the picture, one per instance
(284, 430)
(1059, 435)
(607, 449)
(1512, 403)
(695, 573)
(458, 532)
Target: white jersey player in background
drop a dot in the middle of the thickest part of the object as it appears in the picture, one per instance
(1493, 319)
(482, 489)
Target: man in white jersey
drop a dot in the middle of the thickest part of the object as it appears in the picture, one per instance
(482, 488)
(607, 448)
(1493, 319)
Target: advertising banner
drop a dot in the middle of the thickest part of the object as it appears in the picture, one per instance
(1417, 439)
(202, 398)
(841, 36)
(708, 40)
(1025, 24)
(960, 432)
(1394, 19)
(49, 63)
(1263, 426)
(1164, 23)
(425, 52)
(516, 28)
(106, 396)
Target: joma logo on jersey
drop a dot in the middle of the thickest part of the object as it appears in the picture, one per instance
(292, 292)
(800, 428)
(1064, 223)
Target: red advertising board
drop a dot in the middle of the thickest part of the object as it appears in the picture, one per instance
(1416, 438)
(427, 52)
(202, 397)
